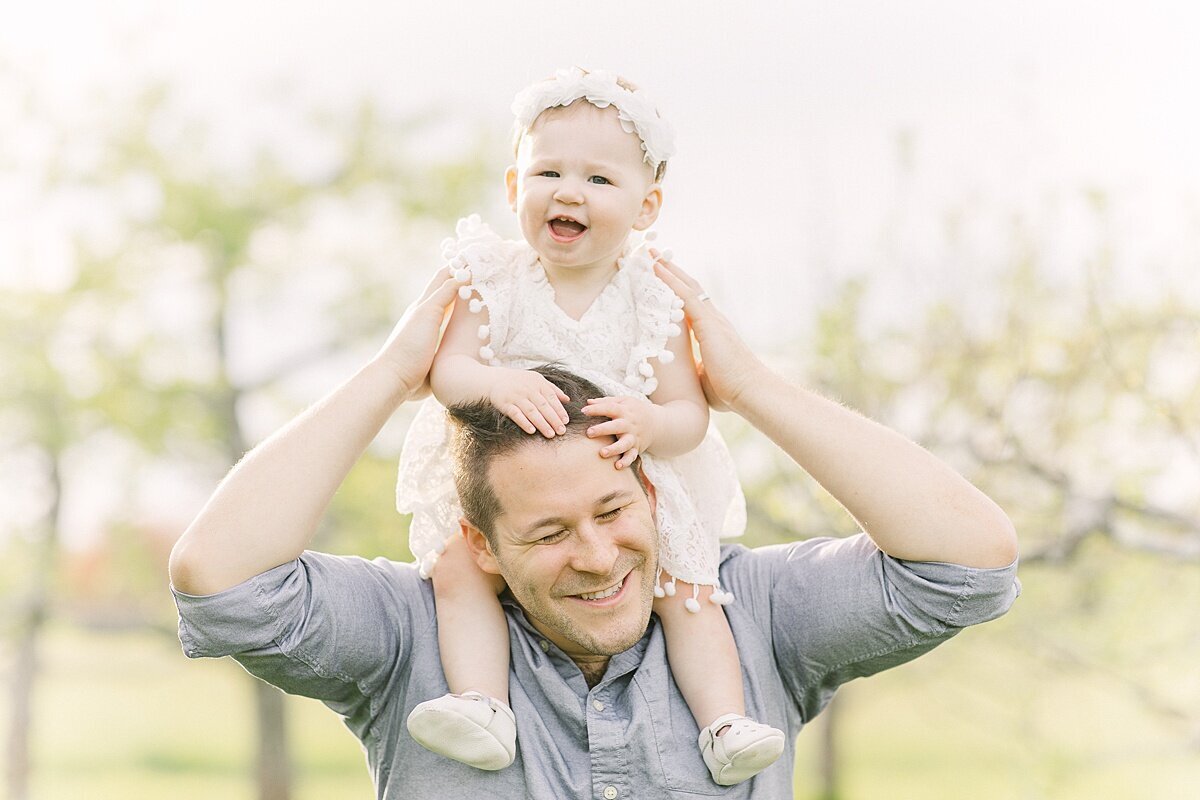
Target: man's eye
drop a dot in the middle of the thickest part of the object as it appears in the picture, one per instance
(611, 515)
(554, 537)
(548, 173)
(600, 179)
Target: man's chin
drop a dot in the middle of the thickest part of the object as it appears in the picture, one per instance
(619, 636)
(618, 642)
(615, 637)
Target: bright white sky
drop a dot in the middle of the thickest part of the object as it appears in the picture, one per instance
(788, 116)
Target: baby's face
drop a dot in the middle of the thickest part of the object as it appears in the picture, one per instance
(579, 186)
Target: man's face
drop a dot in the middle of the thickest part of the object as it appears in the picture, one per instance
(576, 543)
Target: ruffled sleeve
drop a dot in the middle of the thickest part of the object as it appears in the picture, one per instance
(659, 314)
(478, 255)
(425, 485)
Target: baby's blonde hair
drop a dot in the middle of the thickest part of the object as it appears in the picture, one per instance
(520, 130)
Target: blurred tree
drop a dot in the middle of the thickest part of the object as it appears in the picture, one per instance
(33, 404)
(1077, 407)
(216, 281)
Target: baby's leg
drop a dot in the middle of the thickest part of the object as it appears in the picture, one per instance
(702, 654)
(472, 630)
(473, 724)
(704, 661)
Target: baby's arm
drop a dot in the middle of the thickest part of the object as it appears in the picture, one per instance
(459, 376)
(672, 424)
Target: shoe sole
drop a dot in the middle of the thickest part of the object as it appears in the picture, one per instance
(751, 761)
(434, 729)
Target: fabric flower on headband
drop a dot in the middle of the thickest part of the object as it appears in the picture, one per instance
(636, 111)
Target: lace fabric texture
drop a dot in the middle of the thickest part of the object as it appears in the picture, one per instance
(699, 501)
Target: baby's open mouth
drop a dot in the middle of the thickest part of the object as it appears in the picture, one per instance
(565, 228)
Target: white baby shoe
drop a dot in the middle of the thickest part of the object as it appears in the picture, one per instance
(741, 752)
(471, 727)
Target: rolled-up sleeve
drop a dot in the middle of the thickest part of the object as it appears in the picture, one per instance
(331, 627)
(840, 609)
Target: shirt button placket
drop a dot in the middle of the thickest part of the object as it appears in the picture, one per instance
(606, 743)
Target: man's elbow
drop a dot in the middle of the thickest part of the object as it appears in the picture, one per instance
(185, 568)
(999, 543)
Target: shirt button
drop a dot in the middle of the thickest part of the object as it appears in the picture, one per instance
(610, 793)
(596, 704)
(545, 646)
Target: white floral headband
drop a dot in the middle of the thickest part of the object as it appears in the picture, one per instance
(600, 88)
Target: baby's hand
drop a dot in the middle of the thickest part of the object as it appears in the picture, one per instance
(529, 400)
(633, 420)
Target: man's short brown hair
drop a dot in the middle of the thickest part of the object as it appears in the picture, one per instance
(479, 434)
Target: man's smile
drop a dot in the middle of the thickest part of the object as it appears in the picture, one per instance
(605, 597)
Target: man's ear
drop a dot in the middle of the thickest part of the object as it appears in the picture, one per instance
(480, 548)
(510, 185)
(651, 496)
(651, 205)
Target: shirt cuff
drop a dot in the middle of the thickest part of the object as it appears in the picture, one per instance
(239, 619)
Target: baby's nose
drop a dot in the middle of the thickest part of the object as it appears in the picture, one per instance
(569, 192)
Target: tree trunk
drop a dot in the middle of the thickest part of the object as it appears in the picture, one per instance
(20, 728)
(829, 756)
(274, 769)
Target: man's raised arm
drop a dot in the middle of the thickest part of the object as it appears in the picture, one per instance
(914, 506)
(265, 511)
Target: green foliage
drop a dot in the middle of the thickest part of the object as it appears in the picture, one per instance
(362, 520)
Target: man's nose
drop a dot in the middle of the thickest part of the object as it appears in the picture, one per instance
(595, 551)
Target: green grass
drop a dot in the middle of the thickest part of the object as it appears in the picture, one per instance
(999, 713)
(127, 716)
(1009, 710)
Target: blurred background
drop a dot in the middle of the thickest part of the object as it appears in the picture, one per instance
(977, 223)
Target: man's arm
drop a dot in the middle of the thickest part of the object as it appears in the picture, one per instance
(914, 506)
(267, 508)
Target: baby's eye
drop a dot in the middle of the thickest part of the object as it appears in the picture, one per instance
(549, 173)
(608, 516)
(600, 179)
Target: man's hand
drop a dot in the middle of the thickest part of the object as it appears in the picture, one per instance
(529, 400)
(728, 368)
(410, 348)
(633, 420)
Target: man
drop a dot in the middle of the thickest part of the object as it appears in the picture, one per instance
(598, 713)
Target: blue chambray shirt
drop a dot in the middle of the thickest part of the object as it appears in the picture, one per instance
(362, 637)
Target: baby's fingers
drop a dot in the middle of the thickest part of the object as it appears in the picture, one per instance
(603, 407)
(627, 458)
(514, 412)
(552, 412)
(529, 418)
(622, 446)
(614, 427)
(538, 414)
(555, 409)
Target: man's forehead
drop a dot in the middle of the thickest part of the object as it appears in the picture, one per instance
(546, 476)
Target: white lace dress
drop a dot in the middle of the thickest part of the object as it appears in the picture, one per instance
(614, 345)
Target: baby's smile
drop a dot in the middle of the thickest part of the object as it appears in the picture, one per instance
(565, 229)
